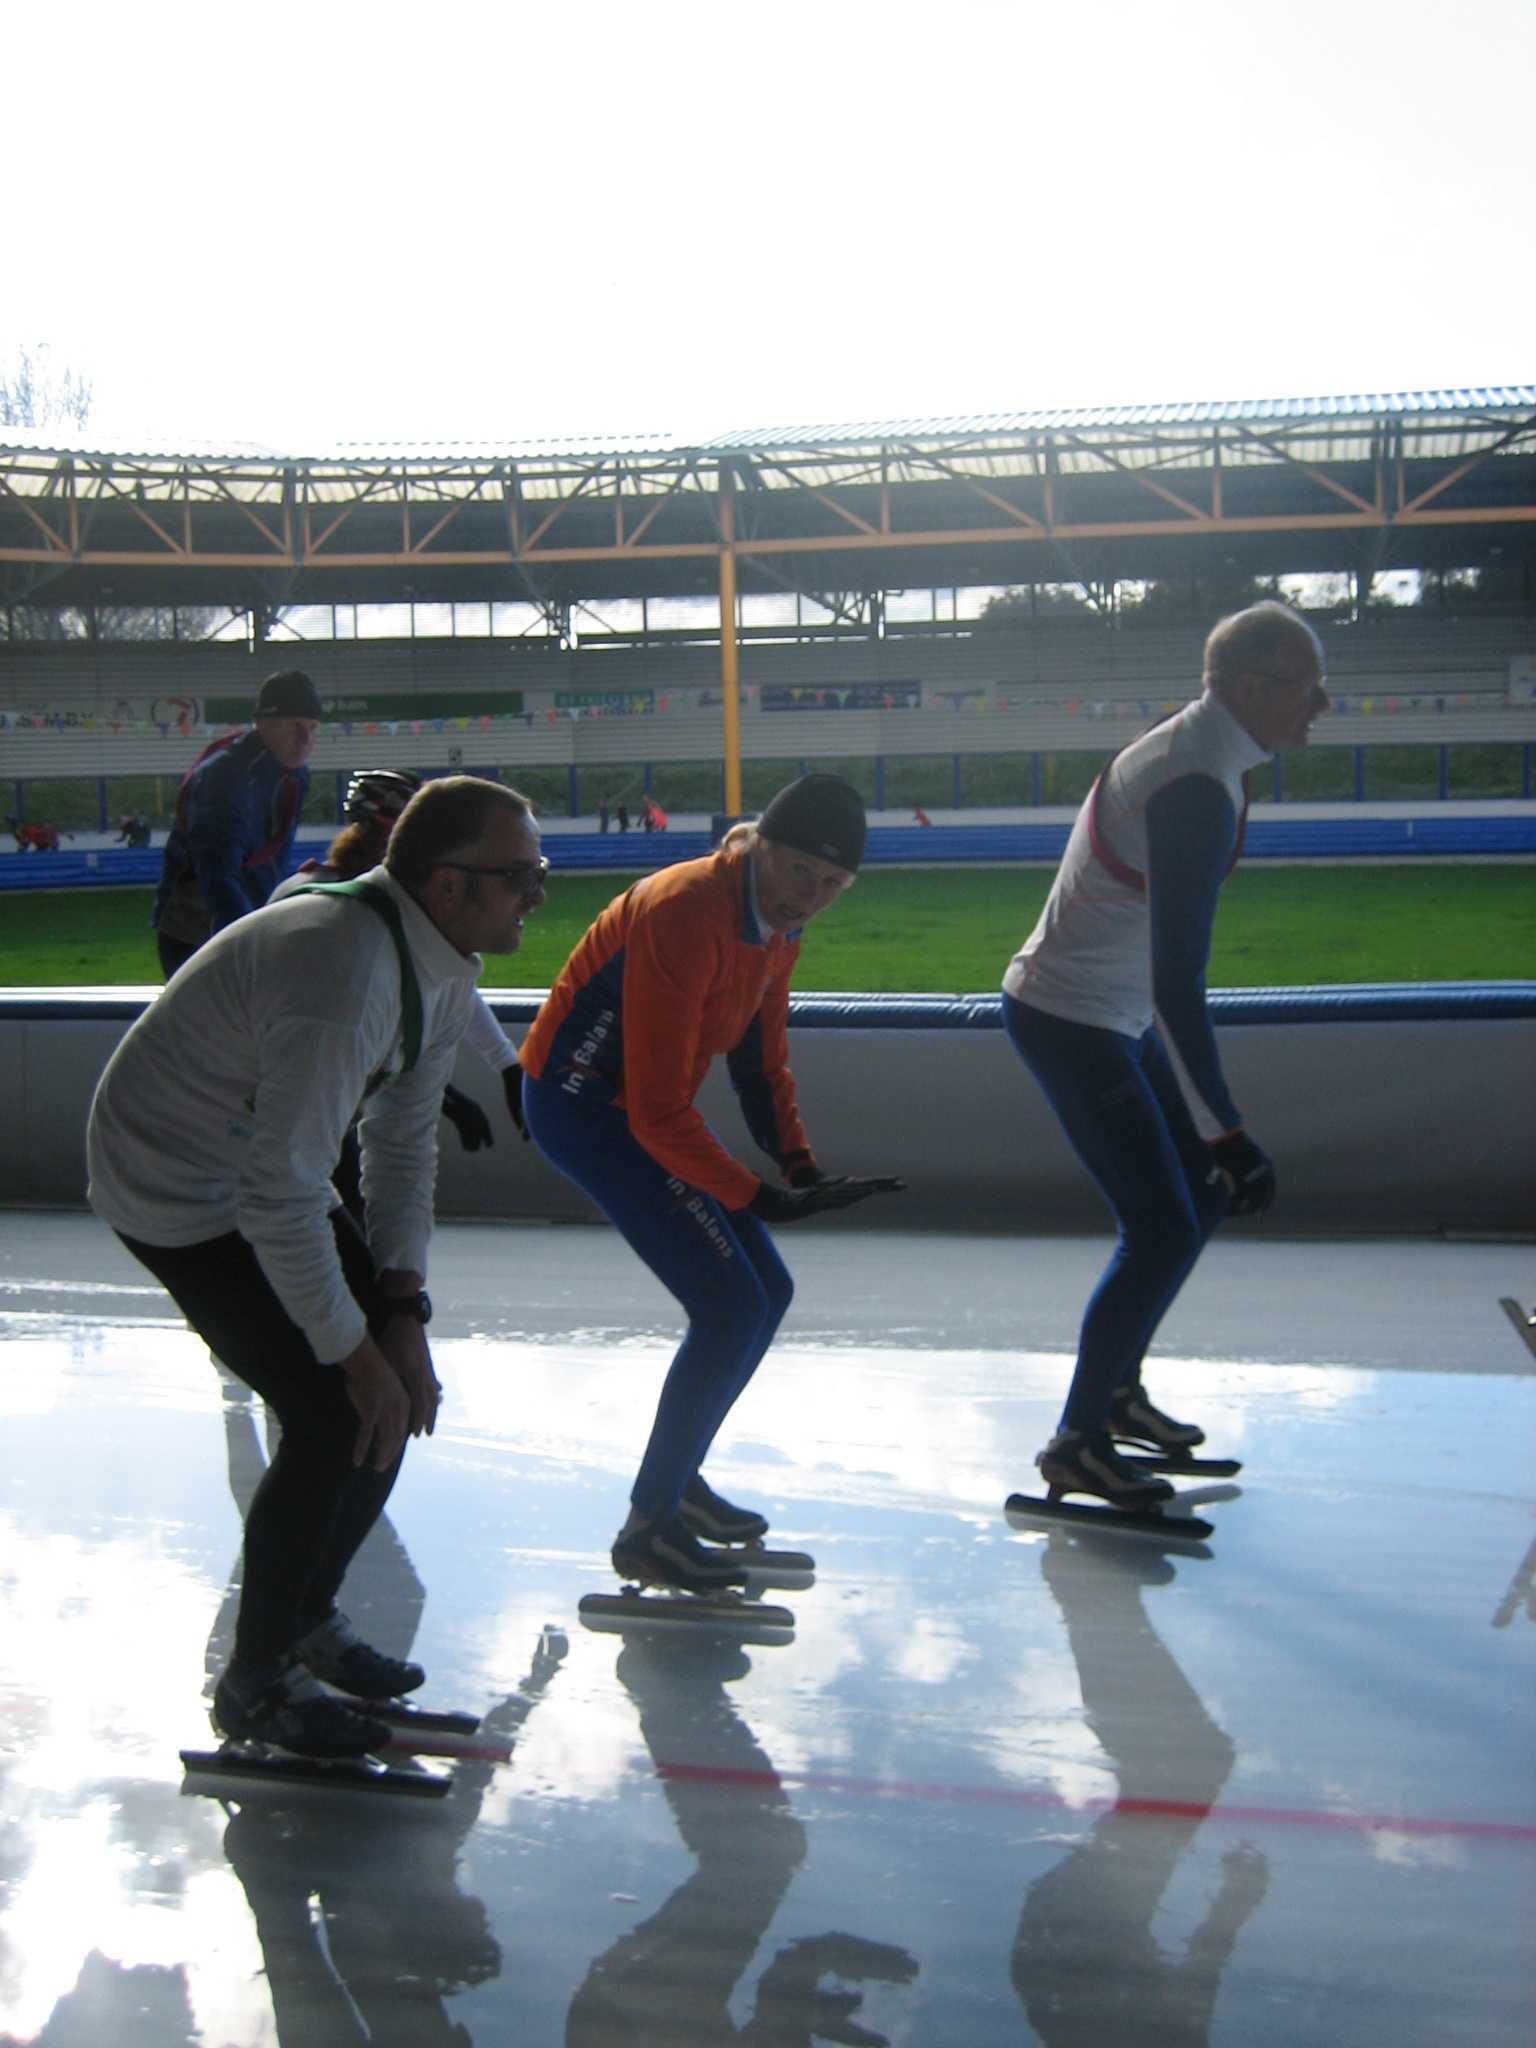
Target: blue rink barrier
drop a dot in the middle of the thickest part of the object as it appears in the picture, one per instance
(1336, 838)
(1351, 1003)
(1386, 1108)
(1420, 1002)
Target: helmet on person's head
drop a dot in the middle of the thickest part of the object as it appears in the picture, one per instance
(374, 794)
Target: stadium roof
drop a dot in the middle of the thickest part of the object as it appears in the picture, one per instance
(1417, 479)
(1483, 400)
(1191, 412)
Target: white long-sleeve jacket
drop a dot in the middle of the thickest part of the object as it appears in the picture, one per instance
(482, 1032)
(225, 1105)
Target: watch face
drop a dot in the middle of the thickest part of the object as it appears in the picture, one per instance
(418, 1305)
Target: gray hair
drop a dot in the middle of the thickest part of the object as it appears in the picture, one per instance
(1254, 640)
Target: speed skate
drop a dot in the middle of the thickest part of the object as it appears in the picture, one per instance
(1127, 1492)
(765, 1567)
(414, 1731)
(725, 1612)
(244, 1764)
(1051, 1511)
(656, 1602)
(1174, 1462)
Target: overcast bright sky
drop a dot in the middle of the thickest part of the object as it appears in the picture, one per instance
(296, 224)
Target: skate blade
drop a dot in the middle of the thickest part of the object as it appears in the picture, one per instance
(1174, 1462)
(715, 1613)
(1523, 1320)
(1185, 1530)
(281, 1770)
(776, 1567)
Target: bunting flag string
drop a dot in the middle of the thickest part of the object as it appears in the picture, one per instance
(1001, 699)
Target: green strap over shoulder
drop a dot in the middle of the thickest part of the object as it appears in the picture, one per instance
(383, 905)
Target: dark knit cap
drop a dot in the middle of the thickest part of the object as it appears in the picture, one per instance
(289, 694)
(820, 815)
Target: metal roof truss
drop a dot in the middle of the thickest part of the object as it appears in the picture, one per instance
(882, 510)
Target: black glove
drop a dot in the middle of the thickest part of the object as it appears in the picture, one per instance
(512, 1085)
(788, 1205)
(1248, 1173)
(804, 1174)
(468, 1119)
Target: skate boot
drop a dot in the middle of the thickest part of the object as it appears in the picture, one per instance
(282, 1705)
(337, 1653)
(663, 1552)
(1085, 1461)
(1132, 1416)
(717, 1520)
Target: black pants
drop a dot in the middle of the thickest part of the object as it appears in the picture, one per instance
(313, 1507)
(173, 953)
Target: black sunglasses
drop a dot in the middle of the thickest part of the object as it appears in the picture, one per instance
(528, 874)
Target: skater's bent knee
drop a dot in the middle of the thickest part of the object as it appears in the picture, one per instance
(738, 1316)
(778, 1293)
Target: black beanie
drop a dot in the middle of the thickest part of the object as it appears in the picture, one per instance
(820, 815)
(289, 694)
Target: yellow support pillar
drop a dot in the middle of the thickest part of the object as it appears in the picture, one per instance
(730, 670)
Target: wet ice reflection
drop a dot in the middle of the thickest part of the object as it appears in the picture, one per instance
(999, 1783)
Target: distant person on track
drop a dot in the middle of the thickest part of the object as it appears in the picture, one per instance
(132, 830)
(236, 814)
(1105, 1003)
(691, 962)
(41, 838)
(211, 1141)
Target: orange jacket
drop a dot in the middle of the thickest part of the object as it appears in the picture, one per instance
(673, 972)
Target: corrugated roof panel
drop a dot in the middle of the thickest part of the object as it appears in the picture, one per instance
(843, 443)
(1202, 412)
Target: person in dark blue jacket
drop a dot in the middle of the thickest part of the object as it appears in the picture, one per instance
(236, 814)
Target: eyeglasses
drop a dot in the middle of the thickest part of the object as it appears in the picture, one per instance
(1268, 675)
(525, 877)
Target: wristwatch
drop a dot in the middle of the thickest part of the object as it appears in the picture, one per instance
(418, 1305)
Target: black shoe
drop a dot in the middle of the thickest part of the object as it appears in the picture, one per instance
(663, 1553)
(717, 1520)
(1131, 1415)
(282, 1705)
(1083, 1461)
(337, 1653)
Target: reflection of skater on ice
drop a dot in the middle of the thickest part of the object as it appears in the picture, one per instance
(672, 1978)
(1086, 1965)
(365, 1929)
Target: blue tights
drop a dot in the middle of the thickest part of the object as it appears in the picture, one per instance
(1119, 1103)
(719, 1263)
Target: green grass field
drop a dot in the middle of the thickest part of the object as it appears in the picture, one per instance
(912, 930)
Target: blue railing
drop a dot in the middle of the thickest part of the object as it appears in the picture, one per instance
(1418, 1002)
(1333, 838)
